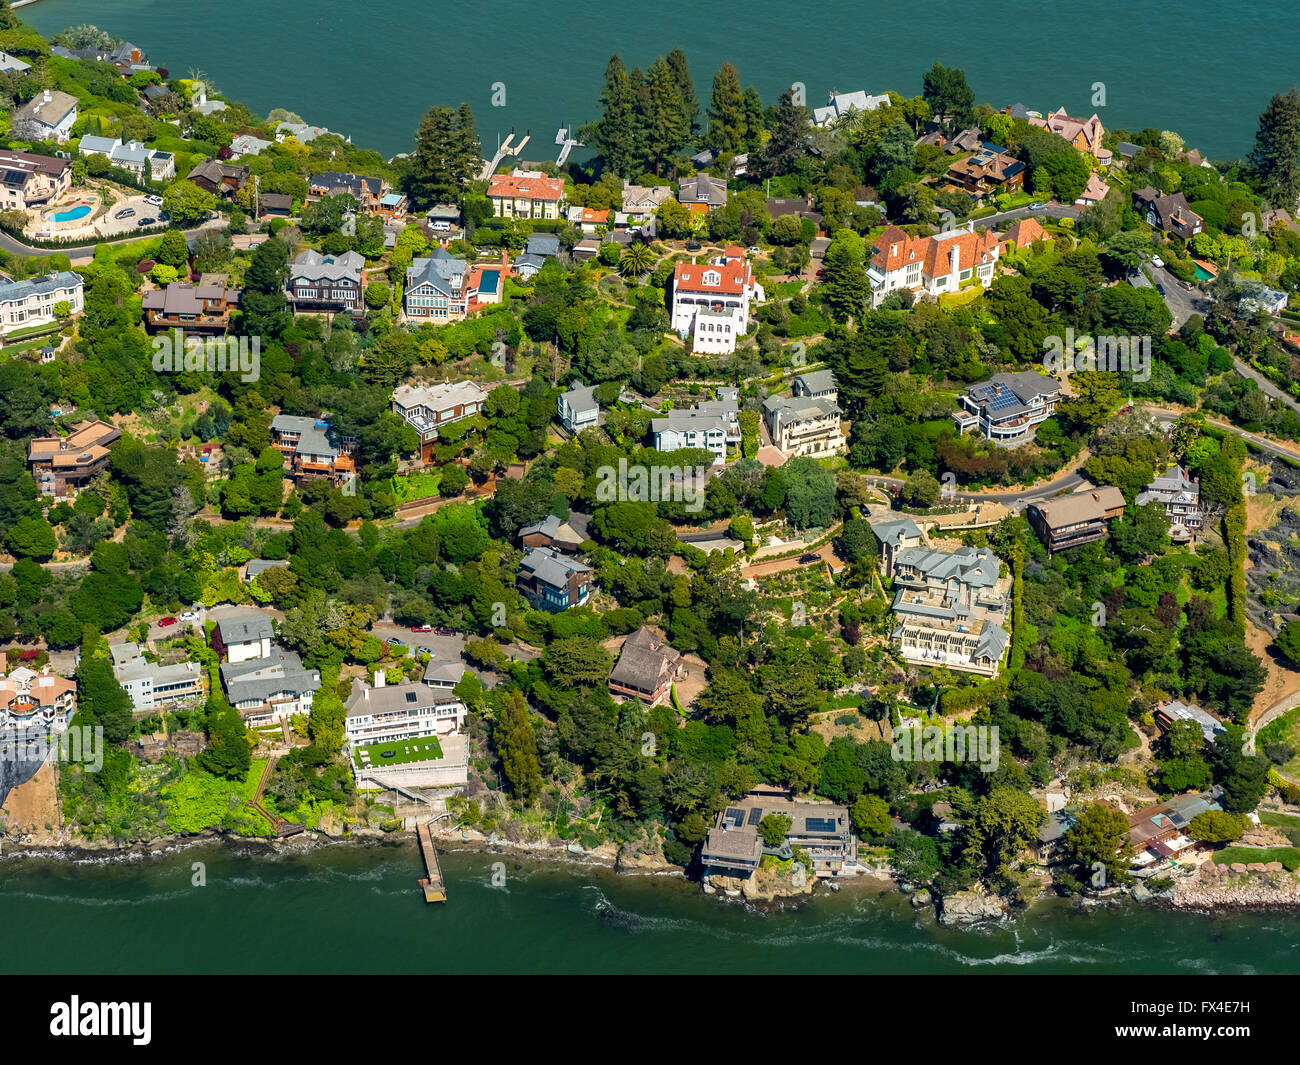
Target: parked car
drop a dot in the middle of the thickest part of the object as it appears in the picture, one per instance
(421, 628)
(164, 622)
(125, 212)
(425, 651)
(189, 615)
(1157, 261)
(148, 222)
(442, 630)
(153, 201)
(394, 640)
(809, 558)
(1160, 289)
(1037, 205)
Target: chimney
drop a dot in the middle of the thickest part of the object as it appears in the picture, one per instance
(380, 678)
(47, 97)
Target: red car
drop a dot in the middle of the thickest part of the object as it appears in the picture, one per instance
(421, 628)
(164, 622)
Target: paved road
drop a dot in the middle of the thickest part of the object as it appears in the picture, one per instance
(1052, 210)
(83, 251)
(1182, 299)
(1265, 385)
(1283, 449)
(1014, 500)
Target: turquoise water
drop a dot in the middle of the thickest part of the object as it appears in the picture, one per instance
(68, 216)
(1205, 70)
(349, 908)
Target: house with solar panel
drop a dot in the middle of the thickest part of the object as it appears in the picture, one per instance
(1008, 408)
(821, 829)
(949, 606)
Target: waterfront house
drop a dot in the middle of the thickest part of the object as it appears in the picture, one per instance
(32, 302)
(525, 194)
(841, 104)
(577, 408)
(710, 301)
(821, 829)
(646, 668)
(270, 689)
(552, 582)
(63, 464)
(29, 180)
(151, 684)
(313, 449)
(51, 114)
(428, 408)
(931, 265)
(1084, 134)
(1008, 408)
(327, 283)
(29, 699)
(988, 171)
(1172, 214)
(1078, 518)
(1158, 832)
(406, 735)
(201, 308)
(220, 179)
(241, 637)
(1180, 494)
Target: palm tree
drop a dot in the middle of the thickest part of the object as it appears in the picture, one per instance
(637, 260)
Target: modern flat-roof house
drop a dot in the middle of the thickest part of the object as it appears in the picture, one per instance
(31, 302)
(1084, 134)
(988, 171)
(270, 689)
(931, 265)
(552, 532)
(645, 669)
(63, 464)
(1008, 408)
(130, 156)
(805, 425)
(220, 179)
(428, 408)
(28, 180)
(710, 301)
(525, 194)
(150, 684)
(29, 699)
(1171, 213)
(1078, 518)
(201, 308)
(313, 449)
(406, 734)
(242, 637)
(949, 606)
(1158, 833)
(552, 582)
(711, 424)
(51, 113)
(327, 283)
(841, 104)
(577, 408)
(1180, 494)
(1173, 710)
(822, 829)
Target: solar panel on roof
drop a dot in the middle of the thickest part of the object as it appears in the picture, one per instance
(735, 817)
(820, 824)
(755, 815)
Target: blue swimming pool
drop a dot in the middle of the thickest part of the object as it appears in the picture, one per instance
(68, 216)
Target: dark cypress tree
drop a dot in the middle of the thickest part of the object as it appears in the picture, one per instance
(727, 128)
(686, 87)
(614, 134)
(1275, 159)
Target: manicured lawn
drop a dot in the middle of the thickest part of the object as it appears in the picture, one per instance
(417, 485)
(949, 300)
(425, 749)
(1288, 856)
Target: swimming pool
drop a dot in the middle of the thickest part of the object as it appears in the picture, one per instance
(69, 215)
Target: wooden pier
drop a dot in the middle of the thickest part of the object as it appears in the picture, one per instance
(434, 891)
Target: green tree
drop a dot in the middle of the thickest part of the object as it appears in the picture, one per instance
(773, 828)
(1275, 158)
(615, 135)
(447, 155)
(516, 745)
(728, 128)
(949, 96)
(1100, 835)
(1215, 826)
(870, 815)
(187, 204)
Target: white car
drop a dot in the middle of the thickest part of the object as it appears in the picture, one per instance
(188, 615)
(1157, 261)
(153, 201)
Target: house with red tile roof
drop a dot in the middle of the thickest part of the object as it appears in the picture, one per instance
(931, 265)
(1094, 192)
(525, 194)
(1084, 133)
(1023, 233)
(710, 301)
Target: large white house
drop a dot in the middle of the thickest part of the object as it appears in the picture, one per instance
(51, 116)
(710, 301)
(150, 684)
(1008, 408)
(712, 424)
(32, 302)
(931, 265)
(406, 734)
(130, 156)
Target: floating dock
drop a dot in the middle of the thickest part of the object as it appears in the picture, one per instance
(434, 891)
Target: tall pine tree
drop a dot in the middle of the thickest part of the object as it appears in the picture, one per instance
(447, 154)
(614, 134)
(686, 87)
(728, 131)
(1275, 158)
(667, 125)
